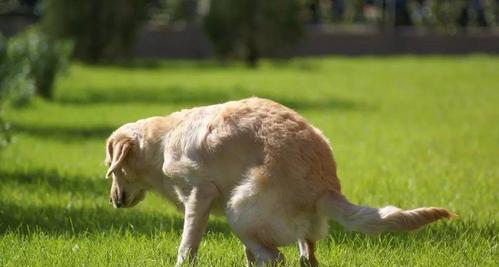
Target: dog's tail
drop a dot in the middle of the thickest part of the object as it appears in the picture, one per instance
(376, 220)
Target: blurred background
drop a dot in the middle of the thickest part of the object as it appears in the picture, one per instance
(406, 90)
(38, 38)
(105, 31)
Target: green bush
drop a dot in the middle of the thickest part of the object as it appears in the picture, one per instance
(253, 28)
(3, 65)
(17, 85)
(29, 63)
(4, 131)
(4, 126)
(34, 59)
(102, 30)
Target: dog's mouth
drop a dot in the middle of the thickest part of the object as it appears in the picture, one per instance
(128, 202)
(138, 198)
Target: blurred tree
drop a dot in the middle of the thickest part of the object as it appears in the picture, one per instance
(337, 10)
(181, 9)
(446, 13)
(314, 8)
(252, 28)
(102, 30)
(476, 9)
(402, 13)
(176, 12)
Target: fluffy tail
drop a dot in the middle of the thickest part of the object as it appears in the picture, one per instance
(373, 220)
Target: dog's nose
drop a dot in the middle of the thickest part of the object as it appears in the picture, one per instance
(115, 202)
(118, 201)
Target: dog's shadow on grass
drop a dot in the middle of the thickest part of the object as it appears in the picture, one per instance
(76, 217)
(59, 220)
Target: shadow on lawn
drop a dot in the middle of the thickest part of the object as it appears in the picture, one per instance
(55, 220)
(440, 233)
(171, 64)
(65, 134)
(74, 220)
(58, 220)
(190, 97)
(56, 180)
(185, 98)
(301, 64)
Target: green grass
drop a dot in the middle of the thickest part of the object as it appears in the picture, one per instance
(408, 131)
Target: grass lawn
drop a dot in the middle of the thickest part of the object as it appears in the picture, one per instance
(407, 131)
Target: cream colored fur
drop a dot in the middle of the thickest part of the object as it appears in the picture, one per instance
(259, 163)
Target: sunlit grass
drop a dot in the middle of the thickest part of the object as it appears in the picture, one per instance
(408, 131)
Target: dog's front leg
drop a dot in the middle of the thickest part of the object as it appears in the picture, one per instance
(197, 211)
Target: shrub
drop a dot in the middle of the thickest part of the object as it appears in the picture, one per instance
(252, 28)
(3, 65)
(4, 126)
(34, 60)
(4, 131)
(29, 63)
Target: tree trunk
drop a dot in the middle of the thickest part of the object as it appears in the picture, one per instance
(252, 53)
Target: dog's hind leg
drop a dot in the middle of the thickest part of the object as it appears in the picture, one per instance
(258, 250)
(307, 256)
(255, 220)
(260, 254)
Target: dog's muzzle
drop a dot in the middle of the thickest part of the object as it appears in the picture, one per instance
(121, 200)
(118, 200)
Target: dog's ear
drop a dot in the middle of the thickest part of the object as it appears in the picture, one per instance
(116, 151)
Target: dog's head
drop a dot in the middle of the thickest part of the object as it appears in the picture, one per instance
(128, 187)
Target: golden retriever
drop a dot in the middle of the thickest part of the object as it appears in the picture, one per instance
(258, 162)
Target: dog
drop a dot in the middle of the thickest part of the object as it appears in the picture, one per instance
(258, 162)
